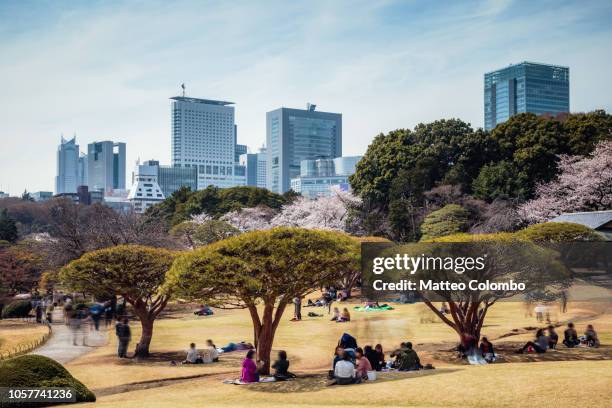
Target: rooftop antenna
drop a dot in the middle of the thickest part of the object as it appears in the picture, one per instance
(183, 86)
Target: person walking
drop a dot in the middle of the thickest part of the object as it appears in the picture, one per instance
(124, 335)
(297, 314)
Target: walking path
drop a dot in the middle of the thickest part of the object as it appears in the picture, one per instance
(60, 345)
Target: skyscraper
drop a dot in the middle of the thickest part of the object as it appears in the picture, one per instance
(293, 135)
(106, 166)
(203, 136)
(256, 167)
(66, 179)
(525, 87)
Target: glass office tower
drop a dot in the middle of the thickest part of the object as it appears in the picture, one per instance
(293, 135)
(525, 87)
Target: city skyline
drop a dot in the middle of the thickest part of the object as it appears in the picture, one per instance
(106, 70)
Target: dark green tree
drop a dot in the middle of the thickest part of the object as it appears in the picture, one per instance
(499, 180)
(450, 219)
(8, 227)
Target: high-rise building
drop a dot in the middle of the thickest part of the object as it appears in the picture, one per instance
(240, 150)
(145, 191)
(319, 177)
(66, 179)
(293, 135)
(106, 166)
(204, 137)
(525, 87)
(82, 170)
(256, 168)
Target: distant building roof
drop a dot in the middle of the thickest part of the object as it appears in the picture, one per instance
(593, 219)
(204, 101)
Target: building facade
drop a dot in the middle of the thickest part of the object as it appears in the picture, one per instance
(41, 195)
(171, 178)
(256, 168)
(106, 166)
(293, 135)
(203, 136)
(67, 175)
(145, 191)
(525, 87)
(318, 178)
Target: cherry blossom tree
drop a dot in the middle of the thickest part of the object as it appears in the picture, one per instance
(584, 184)
(328, 213)
(250, 219)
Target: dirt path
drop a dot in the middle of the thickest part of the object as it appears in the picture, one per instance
(60, 346)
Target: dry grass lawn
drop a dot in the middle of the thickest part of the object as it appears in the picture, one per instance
(16, 333)
(310, 344)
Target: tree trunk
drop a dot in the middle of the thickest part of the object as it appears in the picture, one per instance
(467, 319)
(142, 348)
(264, 330)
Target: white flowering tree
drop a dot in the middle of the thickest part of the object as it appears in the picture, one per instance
(584, 184)
(250, 219)
(329, 213)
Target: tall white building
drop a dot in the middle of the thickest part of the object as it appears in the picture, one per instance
(67, 176)
(145, 191)
(204, 136)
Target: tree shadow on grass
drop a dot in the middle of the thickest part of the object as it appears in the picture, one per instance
(317, 382)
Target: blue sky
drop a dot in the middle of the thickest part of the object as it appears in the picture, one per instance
(105, 70)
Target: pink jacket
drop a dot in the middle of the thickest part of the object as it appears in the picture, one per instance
(249, 371)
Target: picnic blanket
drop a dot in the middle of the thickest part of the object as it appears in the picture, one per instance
(372, 308)
(237, 381)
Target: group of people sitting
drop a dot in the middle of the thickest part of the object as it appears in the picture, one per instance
(206, 356)
(203, 310)
(338, 317)
(250, 368)
(544, 341)
(351, 364)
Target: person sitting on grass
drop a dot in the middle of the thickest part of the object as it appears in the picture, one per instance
(249, 368)
(339, 354)
(486, 350)
(345, 316)
(381, 355)
(591, 336)
(467, 346)
(372, 357)
(204, 310)
(281, 367)
(344, 371)
(211, 355)
(363, 364)
(553, 337)
(193, 357)
(336, 315)
(570, 336)
(406, 359)
(539, 346)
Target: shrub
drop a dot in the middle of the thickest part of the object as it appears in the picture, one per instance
(554, 232)
(448, 220)
(38, 371)
(18, 308)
